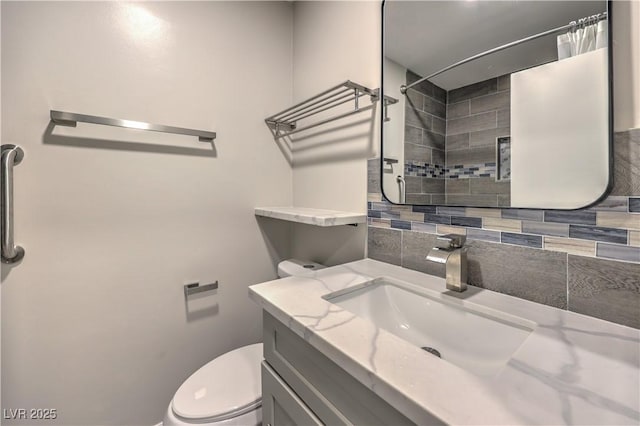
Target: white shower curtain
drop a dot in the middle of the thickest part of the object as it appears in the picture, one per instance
(584, 39)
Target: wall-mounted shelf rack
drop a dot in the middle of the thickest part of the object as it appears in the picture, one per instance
(386, 101)
(317, 217)
(71, 119)
(285, 123)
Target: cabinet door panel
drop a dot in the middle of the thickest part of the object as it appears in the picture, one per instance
(335, 397)
(280, 405)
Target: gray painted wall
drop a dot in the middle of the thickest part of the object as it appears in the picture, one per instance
(333, 41)
(115, 221)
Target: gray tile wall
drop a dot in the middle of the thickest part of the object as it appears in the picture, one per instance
(476, 115)
(425, 125)
(469, 120)
(586, 261)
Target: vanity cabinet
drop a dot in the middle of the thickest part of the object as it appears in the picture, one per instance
(301, 386)
(280, 405)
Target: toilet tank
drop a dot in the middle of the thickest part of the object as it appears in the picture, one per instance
(294, 267)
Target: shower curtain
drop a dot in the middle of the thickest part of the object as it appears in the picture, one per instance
(585, 38)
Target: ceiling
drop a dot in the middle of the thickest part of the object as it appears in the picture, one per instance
(426, 36)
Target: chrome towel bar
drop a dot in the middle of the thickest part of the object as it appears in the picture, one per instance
(71, 119)
(285, 122)
(11, 155)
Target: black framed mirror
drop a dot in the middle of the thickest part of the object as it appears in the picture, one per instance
(496, 103)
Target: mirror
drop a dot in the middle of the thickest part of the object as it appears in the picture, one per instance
(496, 103)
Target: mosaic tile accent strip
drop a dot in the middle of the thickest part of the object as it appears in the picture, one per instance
(574, 232)
(618, 220)
(446, 229)
(571, 246)
(424, 209)
(545, 228)
(470, 222)
(424, 227)
(522, 239)
(462, 171)
(423, 169)
(400, 224)
(612, 243)
(614, 203)
(452, 211)
(458, 171)
(436, 218)
(535, 215)
(598, 233)
(583, 217)
(510, 225)
(619, 252)
(483, 235)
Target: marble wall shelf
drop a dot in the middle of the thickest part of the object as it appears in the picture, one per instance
(317, 217)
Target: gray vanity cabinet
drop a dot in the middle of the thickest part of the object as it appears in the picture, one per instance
(301, 386)
(280, 405)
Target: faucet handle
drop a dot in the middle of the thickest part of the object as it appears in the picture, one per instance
(450, 241)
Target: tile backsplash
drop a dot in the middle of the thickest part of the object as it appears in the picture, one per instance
(587, 261)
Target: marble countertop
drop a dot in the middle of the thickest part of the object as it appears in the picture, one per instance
(572, 369)
(317, 217)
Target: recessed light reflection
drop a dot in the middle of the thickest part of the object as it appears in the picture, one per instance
(141, 25)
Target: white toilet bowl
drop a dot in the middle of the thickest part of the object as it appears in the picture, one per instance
(227, 391)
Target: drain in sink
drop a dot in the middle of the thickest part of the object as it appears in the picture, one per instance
(432, 351)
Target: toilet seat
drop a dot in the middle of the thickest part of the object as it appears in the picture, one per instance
(226, 387)
(220, 416)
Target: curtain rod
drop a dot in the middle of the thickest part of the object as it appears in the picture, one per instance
(573, 24)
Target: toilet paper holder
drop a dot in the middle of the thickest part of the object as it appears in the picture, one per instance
(195, 288)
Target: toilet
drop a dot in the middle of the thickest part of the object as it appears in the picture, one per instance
(227, 390)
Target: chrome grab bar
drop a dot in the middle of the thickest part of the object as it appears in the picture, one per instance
(11, 155)
(402, 185)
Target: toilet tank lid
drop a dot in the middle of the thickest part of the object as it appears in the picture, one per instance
(227, 386)
(295, 267)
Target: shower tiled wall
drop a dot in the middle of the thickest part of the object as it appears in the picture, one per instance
(469, 119)
(425, 125)
(586, 261)
(476, 115)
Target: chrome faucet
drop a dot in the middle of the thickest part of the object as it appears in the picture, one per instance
(449, 250)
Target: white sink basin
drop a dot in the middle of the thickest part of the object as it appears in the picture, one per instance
(478, 339)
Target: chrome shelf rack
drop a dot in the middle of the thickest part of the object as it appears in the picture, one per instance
(285, 123)
(71, 119)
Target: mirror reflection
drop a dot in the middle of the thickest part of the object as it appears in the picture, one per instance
(496, 103)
